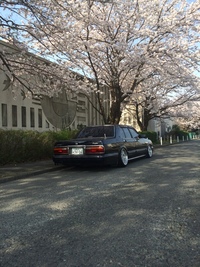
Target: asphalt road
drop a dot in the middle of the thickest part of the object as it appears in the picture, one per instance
(147, 214)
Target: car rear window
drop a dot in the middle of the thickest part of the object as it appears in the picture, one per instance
(99, 131)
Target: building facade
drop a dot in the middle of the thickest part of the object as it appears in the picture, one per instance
(66, 110)
(159, 125)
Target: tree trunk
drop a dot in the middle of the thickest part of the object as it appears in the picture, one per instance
(115, 113)
(143, 117)
(115, 108)
(139, 118)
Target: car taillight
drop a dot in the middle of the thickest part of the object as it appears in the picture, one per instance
(94, 150)
(61, 150)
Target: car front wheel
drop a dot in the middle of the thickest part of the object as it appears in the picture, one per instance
(149, 151)
(123, 158)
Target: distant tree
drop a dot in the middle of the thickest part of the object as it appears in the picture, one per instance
(188, 115)
(121, 44)
(163, 97)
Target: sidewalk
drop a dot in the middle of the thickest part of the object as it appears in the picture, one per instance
(16, 171)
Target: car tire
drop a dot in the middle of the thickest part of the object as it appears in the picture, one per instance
(123, 158)
(149, 151)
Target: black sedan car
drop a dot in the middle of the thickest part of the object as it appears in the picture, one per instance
(107, 145)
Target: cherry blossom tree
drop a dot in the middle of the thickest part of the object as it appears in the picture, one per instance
(24, 67)
(143, 51)
(161, 97)
(188, 115)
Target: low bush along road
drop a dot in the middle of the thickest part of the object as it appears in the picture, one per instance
(147, 214)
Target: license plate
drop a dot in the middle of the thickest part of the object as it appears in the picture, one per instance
(77, 151)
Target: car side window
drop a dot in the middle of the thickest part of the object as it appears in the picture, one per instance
(121, 133)
(134, 134)
(126, 132)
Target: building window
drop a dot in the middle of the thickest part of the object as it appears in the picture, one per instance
(23, 116)
(47, 124)
(14, 115)
(40, 118)
(32, 117)
(4, 115)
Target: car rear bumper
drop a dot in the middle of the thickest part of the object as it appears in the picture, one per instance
(86, 160)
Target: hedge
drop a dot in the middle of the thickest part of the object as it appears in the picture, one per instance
(151, 135)
(22, 146)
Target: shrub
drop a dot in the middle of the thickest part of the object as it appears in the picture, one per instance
(176, 132)
(151, 135)
(22, 146)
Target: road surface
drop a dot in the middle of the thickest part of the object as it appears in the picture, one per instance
(147, 214)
